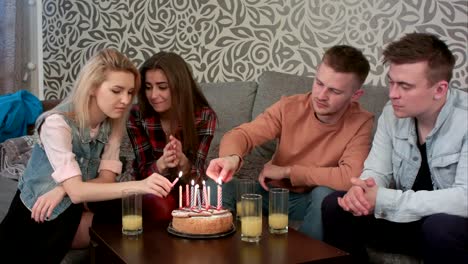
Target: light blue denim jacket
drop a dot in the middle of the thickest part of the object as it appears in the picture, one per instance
(37, 178)
(394, 162)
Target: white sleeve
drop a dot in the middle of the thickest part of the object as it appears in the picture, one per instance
(56, 138)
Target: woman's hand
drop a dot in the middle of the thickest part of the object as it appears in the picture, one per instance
(156, 184)
(173, 156)
(46, 203)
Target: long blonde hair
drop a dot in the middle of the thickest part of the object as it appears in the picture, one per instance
(91, 76)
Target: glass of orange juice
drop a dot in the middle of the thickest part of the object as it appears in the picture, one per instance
(251, 218)
(132, 220)
(278, 211)
(243, 186)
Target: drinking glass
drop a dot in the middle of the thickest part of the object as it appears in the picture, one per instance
(243, 186)
(251, 219)
(278, 211)
(132, 220)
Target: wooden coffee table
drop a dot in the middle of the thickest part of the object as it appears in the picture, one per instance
(156, 245)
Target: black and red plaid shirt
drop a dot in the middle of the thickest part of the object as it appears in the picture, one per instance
(148, 140)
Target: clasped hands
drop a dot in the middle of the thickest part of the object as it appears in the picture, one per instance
(361, 197)
(173, 156)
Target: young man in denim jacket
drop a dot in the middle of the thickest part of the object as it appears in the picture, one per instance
(412, 194)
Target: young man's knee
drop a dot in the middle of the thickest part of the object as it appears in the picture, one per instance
(444, 239)
(440, 229)
(319, 193)
(330, 202)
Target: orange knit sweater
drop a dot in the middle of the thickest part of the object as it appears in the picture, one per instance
(318, 153)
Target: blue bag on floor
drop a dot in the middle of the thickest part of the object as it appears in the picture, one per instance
(17, 111)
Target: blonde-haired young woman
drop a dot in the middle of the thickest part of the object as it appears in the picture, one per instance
(76, 161)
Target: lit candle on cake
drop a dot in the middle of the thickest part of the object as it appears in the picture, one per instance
(220, 195)
(191, 193)
(180, 196)
(177, 179)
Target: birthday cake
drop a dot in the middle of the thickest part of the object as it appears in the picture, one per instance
(201, 221)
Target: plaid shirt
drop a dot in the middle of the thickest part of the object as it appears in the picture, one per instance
(148, 140)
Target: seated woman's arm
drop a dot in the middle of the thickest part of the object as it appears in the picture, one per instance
(56, 139)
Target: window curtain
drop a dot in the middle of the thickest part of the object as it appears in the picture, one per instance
(11, 45)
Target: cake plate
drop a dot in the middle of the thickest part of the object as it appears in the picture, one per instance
(174, 232)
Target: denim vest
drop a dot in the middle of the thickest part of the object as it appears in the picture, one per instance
(394, 162)
(37, 179)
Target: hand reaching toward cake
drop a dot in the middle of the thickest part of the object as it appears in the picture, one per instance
(223, 168)
(157, 184)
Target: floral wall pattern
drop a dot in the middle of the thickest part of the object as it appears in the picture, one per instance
(233, 40)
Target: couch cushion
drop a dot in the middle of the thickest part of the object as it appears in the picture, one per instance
(374, 100)
(233, 103)
(8, 189)
(272, 85)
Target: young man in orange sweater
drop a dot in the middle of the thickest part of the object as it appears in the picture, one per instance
(323, 139)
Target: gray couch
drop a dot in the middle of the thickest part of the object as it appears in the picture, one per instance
(236, 103)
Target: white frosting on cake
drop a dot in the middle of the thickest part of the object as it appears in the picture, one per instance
(201, 221)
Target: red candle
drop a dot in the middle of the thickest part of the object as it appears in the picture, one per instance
(177, 179)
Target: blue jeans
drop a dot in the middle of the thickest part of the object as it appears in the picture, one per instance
(303, 207)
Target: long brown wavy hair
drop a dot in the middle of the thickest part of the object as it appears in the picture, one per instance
(185, 93)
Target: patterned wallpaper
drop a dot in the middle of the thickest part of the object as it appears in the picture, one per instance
(227, 40)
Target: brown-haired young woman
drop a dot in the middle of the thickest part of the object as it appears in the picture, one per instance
(173, 124)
